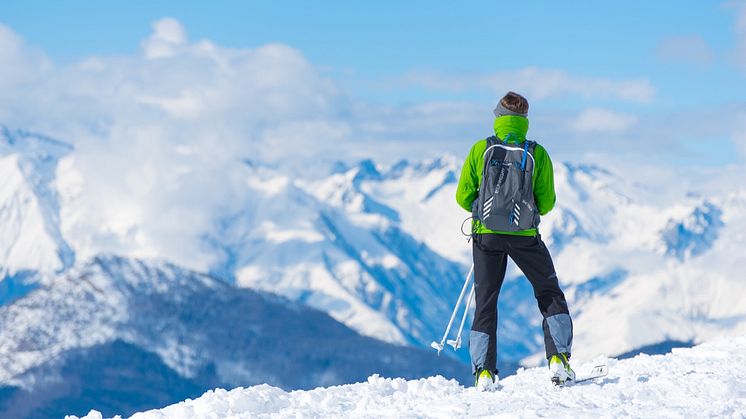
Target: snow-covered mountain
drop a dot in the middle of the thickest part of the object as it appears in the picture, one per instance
(30, 237)
(344, 254)
(379, 249)
(329, 245)
(705, 381)
(179, 331)
(658, 271)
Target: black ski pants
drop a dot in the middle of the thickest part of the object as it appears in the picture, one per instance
(490, 252)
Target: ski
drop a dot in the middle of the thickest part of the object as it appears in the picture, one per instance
(596, 372)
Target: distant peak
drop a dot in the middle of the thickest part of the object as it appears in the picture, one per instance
(588, 169)
(339, 167)
(438, 162)
(31, 144)
(399, 167)
(695, 233)
(425, 166)
(367, 170)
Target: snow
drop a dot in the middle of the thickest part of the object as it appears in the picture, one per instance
(704, 381)
(30, 236)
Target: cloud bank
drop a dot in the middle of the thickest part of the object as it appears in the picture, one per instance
(162, 136)
(598, 120)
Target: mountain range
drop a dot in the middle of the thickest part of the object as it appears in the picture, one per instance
(180, 332)
(339, 273)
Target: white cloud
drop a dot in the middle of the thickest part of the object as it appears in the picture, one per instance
(536, 83)
(19, 63)
(187, 104)
(161, 136)
(598, 120)
(167, 37)
(691, 50)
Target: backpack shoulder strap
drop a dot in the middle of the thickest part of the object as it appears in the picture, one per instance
(528, 149)
(490, 142)
(526, 145)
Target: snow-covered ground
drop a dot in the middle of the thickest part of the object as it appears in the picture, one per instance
(705, 381)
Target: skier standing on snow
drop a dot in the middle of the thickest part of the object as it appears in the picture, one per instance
(507, 182)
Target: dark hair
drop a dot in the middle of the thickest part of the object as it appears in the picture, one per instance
(514, 102)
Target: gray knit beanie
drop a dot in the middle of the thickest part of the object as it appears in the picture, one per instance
(500, 110)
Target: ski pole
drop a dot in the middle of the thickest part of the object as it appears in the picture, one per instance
(457, 342)
(439, 346)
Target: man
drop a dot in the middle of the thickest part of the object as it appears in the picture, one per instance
(507, 182)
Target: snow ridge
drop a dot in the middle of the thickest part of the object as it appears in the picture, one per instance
(705, 381)
(30, 236)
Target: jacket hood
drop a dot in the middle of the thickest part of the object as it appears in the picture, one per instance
(511, 128)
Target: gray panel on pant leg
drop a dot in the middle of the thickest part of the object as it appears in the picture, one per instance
(560, 327)
(478, 344)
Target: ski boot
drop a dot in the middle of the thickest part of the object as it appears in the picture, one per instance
(486, 381)
(561, 372)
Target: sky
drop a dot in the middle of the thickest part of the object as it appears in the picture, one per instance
(679, 49)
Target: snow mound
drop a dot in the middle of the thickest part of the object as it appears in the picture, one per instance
(705, 381)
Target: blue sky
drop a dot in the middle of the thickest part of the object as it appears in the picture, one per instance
(684, 56)
(384, 39)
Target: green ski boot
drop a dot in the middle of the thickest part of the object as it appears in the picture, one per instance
(486, 381)
(561, 372)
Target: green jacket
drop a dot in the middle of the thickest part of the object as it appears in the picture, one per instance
(513, 129)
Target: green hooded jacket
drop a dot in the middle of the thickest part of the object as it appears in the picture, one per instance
(512, 129)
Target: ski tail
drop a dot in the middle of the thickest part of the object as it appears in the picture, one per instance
(596, 372)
